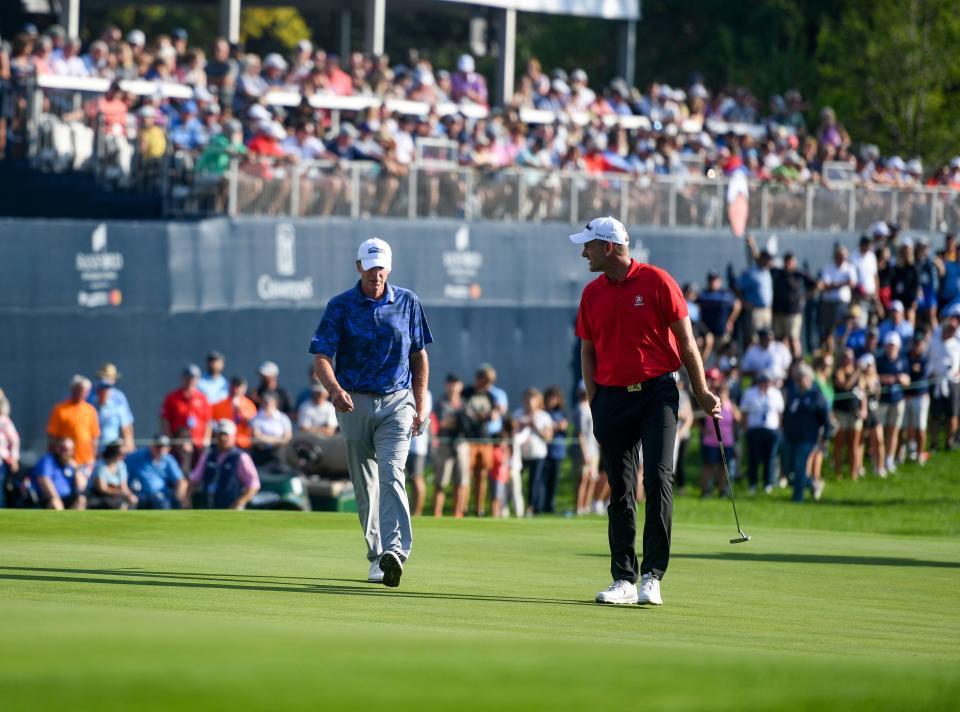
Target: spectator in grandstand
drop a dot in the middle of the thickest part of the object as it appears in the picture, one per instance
(943, 362)
(805, 423)
(213, 384)
(872, 426)
(272, 430)
(719, 309)
(108, 485)
(756, 290)
(451, 460)
(187, 131)
(763, 407)
(416, 464)
(113, 410)
(556, 448)
(790, 289)
(767, 355)
(75, 419)
(533, 426)
(893, 370)
(837, 281)
(152, 139)
(896, 322)
(238, 408)
(58, 480)
(849, 410)
(317, 415)
(269, 384)
(250, 86)
(917, 399)
(225, 476)
(467, 86)
(338, 81)
(154, 476)
(185, 416)
(222, 70)
(9, 450)
(111, 109)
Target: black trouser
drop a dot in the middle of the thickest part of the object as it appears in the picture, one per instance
(762, 448)
(623, 423)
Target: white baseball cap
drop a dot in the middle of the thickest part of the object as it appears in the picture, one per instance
(375, 253)
(608, 228)
(225, 426)
(892, 338)
(269, 368)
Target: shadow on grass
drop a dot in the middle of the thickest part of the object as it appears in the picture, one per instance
(741, 555)
(139, 577)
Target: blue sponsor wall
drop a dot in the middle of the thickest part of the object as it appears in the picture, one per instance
(154, 296)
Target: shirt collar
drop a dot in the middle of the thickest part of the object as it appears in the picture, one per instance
(632, 272)
(389, 296)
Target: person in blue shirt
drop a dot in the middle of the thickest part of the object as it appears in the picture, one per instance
(213, 384)
(893, 369)
(370, 354)
(186, 130)
(116, 418)
(896, 322)
(805, 423)
(849, 334)
(756, 290)
(719, 309)
(155, 477)
(58, 482)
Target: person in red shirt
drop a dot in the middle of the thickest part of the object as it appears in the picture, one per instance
(634, 334)
(185, 416)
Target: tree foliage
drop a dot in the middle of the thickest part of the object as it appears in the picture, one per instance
(890, 69)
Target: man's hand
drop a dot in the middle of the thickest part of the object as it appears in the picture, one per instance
(710, 403)
(342, 401)
(420, 421)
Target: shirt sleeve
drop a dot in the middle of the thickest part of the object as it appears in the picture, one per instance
(583, 329)
(247, 472)
(126, 415)
(326, 339)
(420, 334)
(197, 475)
(53, 423)
(673, 306)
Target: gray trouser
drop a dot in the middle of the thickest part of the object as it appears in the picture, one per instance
(377, 431)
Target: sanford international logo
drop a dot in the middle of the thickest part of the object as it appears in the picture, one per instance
(99, 272)
(270, 288)
(462, 266)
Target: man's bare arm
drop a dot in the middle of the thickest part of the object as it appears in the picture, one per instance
(690, 356)
(323, 367)
(588, 367)
(420, 370)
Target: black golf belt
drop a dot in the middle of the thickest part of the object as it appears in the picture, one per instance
(644, 385)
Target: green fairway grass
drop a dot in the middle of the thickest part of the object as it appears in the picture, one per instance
(267, 611)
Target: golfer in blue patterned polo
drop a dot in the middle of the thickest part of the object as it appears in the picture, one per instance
(370, 355)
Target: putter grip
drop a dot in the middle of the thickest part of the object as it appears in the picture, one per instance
(716, 427)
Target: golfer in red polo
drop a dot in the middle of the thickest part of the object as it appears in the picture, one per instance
(635, 333)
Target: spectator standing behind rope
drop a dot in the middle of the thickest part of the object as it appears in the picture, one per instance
(225, 476)
(556, 449)
(756, 290)
(378, 334)
(918, 400)
(763, 405)
(943, 361)
(635, 333)
(451, 457)
(790, 289)
(849, 409)
(804, 423)
(113, 410)
(57, 480)
(77, 420)
(9, 449)
(154, 475)
(892, 367)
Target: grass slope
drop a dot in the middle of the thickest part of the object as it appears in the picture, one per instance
(266, 611)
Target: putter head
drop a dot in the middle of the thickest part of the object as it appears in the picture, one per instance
(743, 538)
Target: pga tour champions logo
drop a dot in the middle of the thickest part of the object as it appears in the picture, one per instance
(282, 287)
(99, 272)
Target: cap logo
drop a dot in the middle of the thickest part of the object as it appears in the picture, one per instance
(374, 250)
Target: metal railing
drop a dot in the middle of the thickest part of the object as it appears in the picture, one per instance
(363, 189)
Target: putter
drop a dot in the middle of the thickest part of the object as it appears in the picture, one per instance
(726, 473)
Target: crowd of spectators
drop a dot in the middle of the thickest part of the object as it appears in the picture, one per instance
(862, 355)
(230, 113)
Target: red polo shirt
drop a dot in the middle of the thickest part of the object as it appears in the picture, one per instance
(187, 411)
(629, 324)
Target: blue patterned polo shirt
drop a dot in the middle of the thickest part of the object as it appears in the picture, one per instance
(370, 340)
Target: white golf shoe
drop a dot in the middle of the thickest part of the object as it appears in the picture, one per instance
(376, 573)
(618, 593)
(649, 591)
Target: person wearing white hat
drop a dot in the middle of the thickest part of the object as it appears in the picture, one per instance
(466, 85)
(269, 384)
(893, 369)
(943, 371)
(635, 333)
(370, 354)
(224, 475)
